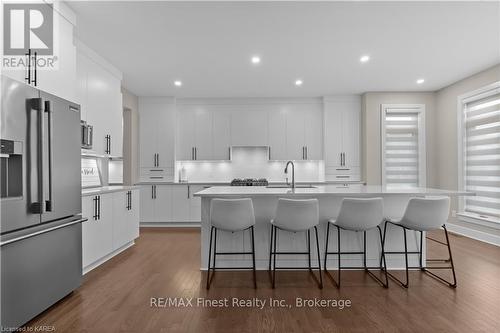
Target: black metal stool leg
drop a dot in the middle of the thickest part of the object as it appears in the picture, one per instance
(386, 285)
(403, 284)
(253, 258)
(421, 249)
(319, 258)
(209, 257)
(274, 257)
(364, 250)
(406, 259)
(309, 249)
(452, 267)
(271, 248)
(326, 244)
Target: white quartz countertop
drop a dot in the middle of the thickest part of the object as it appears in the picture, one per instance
(106, 189)
(323, 190)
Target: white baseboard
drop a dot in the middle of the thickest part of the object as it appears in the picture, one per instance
(474, 234)
(170, 224)
(107, 257)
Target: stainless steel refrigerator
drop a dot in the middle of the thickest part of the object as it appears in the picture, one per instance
(40, 187)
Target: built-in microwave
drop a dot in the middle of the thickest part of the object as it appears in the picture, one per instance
(86, 135)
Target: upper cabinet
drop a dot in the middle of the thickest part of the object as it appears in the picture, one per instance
(249, 126)
(342, 137)
(58, 80)
(98, 87)
(203, 132)
(157, 137)
(296, 132)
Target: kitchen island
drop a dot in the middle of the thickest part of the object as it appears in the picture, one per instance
(330, 197)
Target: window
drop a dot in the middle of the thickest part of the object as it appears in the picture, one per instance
(403, 146)
(480, 153)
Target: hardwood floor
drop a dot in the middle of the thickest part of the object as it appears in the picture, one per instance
(116, 296)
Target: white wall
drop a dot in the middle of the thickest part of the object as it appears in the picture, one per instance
(446, 134)
(130, 137)
(371, 132)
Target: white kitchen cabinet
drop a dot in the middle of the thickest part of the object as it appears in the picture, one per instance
(170, 203)
(125, 217)
(221, 135)
(296, 133)
(180, 203)
(99, 94)
(113, 222)
(342, 138)
(277, 122)
(195, 203)
(249, 127)
(194, 134)
(186, 135)
(97, 232)
(157, 137)
(59, 80)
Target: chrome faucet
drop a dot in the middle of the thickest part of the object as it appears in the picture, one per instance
(293, 173)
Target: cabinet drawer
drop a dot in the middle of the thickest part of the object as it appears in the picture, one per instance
(156, 174)
(339, 170)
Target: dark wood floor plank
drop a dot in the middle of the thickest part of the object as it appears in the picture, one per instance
(165, 263)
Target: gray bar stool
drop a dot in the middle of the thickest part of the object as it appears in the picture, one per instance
(357, 215)
(424, 214)
(295, 216)
(231, 215)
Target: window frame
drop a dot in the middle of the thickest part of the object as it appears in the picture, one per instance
(419, 109)
(462, 100)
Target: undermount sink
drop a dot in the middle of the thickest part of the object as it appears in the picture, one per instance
(288, 186)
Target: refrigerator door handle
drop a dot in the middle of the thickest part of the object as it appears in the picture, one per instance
(49, 204)
(37, 206)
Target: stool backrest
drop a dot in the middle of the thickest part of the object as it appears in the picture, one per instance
(297, 215)
(232, 214)
(426, 213)
(360, 214)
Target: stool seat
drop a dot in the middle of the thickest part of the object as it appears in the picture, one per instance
(358, 215)
(232, 215)
(295, 216)
(423, 214)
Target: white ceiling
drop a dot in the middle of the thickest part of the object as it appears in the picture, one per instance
(208, 45)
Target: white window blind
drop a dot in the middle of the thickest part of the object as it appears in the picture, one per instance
(482, 156)
(403, 154)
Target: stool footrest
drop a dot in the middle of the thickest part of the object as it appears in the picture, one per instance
(230, 268)
(232, 253)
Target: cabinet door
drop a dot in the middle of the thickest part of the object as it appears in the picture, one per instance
(147, 133)
(165, 118)
(61, 81)
(147, 210)
(81, 85)
(277, 135)
(221, 135)
(186, 135)
(314, 134)
(195, 203)
(134, 214)
(351, 135)
(120, 219)
(97, 234)
(180, 203)
(116, 124)
(203, 134)
(333, 134)
(295, 134)
(163, 203)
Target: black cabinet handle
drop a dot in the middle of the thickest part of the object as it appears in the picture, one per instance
(35, 71)
(27, 78)
(95, 208)
(152, 191)
(99, 200)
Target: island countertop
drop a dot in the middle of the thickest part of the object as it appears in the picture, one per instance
(324, 190)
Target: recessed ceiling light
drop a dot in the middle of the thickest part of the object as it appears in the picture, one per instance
(364, 58)
(255, 60)
(420, 81)
(178, 83)
(298, 82)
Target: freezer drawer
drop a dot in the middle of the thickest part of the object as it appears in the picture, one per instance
(39, 270)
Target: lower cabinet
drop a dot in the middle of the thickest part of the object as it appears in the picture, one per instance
(170, 203)
(113, 221)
